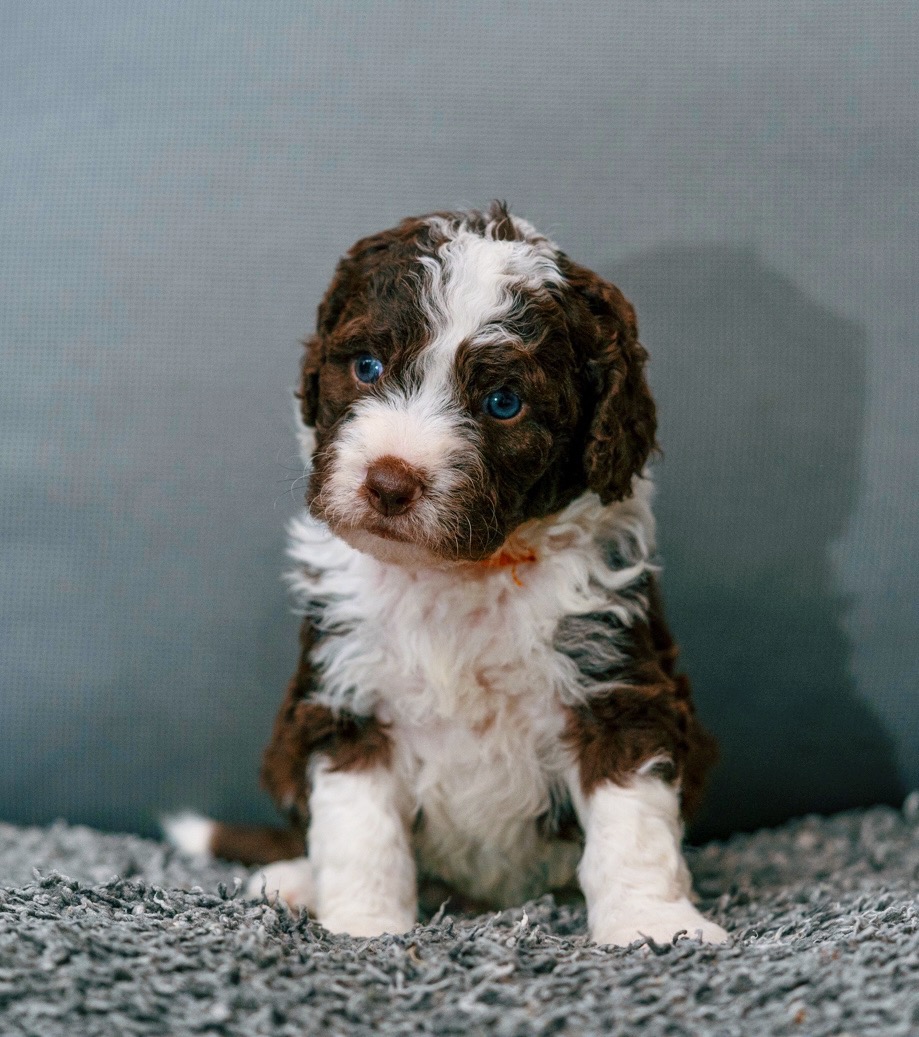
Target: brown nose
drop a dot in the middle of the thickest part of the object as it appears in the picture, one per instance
(392, 486)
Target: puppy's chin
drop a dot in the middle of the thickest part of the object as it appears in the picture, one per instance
(393, 552)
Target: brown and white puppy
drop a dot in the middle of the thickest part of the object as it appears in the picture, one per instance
(487, 693)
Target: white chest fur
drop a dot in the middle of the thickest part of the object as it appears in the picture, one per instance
(462, 664)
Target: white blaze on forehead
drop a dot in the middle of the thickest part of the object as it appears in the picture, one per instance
(470, 285)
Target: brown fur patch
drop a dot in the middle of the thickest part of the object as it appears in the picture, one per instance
(257, 844)
(304, 727)
(622, 432)
(613, 734)
(504, 229)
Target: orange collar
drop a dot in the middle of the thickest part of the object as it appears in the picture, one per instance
(510, 555)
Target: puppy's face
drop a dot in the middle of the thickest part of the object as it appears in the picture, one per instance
(466, 377)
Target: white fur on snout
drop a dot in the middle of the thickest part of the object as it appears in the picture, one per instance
(424, 429)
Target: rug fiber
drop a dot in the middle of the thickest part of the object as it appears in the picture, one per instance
(115, 935)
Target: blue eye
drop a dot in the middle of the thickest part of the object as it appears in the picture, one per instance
(502, 404)
(367, 368)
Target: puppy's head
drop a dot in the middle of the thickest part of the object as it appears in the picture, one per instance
(465, 377)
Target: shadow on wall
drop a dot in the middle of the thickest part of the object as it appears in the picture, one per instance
(761, 394)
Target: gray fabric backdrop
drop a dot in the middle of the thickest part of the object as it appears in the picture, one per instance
(178, 179)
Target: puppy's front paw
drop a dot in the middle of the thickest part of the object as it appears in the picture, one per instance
(292, 881)
(659, 920)
(356, 923)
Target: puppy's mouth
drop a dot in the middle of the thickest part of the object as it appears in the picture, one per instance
(387, 529)
(391, 511)
(397, 547)
(399, 539)
(392, 548)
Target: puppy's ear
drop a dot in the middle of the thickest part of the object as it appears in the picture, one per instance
(327, 316)
(621, 433)
(308, 393)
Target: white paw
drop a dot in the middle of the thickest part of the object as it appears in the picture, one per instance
(292, 881)
(659, 920)
(355, 923)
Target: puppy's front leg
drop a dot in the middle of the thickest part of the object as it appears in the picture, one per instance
(633, 875)
(360, 851)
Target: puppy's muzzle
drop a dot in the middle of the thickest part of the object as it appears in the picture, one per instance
(392, 486)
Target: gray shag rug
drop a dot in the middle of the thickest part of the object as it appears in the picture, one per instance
(115, 935)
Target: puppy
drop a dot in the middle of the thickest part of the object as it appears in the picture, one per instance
(487, 693)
